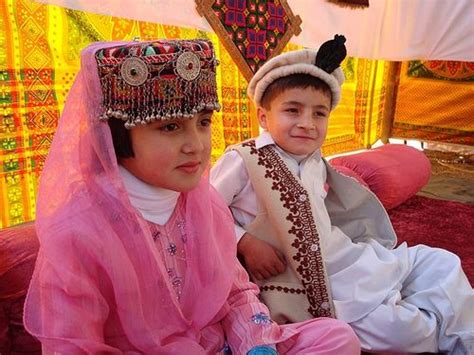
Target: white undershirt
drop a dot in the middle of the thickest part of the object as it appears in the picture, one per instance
(154, 203)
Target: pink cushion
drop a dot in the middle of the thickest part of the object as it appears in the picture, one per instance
(394, 172)
(18, 249)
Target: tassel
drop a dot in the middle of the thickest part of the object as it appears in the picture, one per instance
(331, 54)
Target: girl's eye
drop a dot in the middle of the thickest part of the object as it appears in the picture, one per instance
(292, 110)
(206, 122)
(169, 127)
(321, 114)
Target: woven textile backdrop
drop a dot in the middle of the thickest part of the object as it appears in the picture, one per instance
(39, 59)
(435, 102)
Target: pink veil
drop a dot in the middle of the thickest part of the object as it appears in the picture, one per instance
(96, 252)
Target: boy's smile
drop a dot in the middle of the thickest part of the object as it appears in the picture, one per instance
(171, 154)
(297, 119)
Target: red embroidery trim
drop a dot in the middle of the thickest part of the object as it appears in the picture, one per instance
(295, 199)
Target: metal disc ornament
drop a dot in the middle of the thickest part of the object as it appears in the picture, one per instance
(134, 71)
(188, 66)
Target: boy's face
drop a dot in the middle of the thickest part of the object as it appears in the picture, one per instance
(297, 119)
(171, 154)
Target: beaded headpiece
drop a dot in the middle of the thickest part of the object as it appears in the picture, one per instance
(144, 82)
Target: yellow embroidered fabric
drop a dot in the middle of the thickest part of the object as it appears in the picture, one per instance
(435, 102)
(39, 59)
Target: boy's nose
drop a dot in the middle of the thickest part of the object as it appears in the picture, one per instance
(306, 122)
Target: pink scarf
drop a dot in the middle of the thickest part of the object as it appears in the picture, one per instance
(95, 247)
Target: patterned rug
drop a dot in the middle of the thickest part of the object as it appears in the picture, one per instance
(438, 223)
(452, 175)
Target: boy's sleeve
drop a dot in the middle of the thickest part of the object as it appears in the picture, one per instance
(239, 232)
(248, 323)
(229, 177)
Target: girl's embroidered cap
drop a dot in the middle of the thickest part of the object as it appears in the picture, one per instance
(157, 80)
(323, 64)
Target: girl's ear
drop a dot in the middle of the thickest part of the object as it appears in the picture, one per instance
(262, 117)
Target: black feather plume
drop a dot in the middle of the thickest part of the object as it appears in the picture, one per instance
(331, 54)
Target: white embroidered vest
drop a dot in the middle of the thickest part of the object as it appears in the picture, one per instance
(285, 220)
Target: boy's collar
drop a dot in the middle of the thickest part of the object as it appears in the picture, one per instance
(265, 138)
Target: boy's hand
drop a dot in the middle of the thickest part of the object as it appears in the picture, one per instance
(262, 260)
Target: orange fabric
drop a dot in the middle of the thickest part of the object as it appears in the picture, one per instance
(40, 59)
(435, 102)
(38, 63)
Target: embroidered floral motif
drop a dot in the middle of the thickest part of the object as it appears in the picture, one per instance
(172, 249)
(182, 230)
(176, 281)
(156, 235)
(261, 319)
(295, 199)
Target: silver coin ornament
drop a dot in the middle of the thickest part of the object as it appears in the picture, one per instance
(188, 66)
(134, 71)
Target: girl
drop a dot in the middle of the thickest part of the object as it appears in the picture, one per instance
(137, 251)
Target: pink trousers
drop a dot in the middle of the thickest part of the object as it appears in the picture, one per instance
(321, 336)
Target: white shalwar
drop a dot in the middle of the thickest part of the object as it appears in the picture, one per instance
(408, 299)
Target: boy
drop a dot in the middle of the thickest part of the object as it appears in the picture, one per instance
(316, 242)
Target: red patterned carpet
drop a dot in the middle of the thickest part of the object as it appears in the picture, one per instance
(438, 223)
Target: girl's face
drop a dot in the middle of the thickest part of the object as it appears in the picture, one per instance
(171, 154)
(297, 119)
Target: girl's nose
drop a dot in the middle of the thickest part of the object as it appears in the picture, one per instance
(193, 142)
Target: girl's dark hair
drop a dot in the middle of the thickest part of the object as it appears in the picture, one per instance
(121, 139)
(293, 81)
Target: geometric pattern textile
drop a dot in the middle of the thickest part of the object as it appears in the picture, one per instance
(356, 123)
(441, 69)
(40, 58)
(253, 31)
(435, 102)
(38, 63)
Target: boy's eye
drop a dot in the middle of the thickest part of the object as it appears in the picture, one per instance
(169, 127)
(292, 110)
(321, 114)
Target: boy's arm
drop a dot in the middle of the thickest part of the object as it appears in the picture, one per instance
(230, 178)
(262, 259)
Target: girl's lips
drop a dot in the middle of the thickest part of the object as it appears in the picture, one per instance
(190, 167)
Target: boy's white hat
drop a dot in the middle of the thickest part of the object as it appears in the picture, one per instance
(323, 64)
